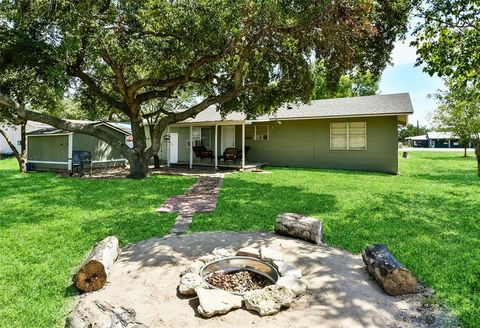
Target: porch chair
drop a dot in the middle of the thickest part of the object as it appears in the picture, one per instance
(230, 154)
(202, 153)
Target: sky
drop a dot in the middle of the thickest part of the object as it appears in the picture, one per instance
(403, 76)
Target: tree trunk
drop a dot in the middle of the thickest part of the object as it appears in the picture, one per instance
(388, 271)
(156, 158)
(465, 152)
(94, 271)
(477, 152)
(101, 314)
(138, 166)
(139, 160)
(22, 158)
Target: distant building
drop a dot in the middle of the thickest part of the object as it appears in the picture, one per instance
(13, 131)
(436, 139)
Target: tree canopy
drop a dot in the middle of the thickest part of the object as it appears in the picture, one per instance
(448, 40)
(127, 57)
(353, 84)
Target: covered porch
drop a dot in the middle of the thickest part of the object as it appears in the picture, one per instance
(219, 144)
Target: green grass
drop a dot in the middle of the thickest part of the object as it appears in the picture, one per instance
(429, 216)
(48, 224)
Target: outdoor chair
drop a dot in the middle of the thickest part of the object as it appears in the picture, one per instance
(230, 154)
(202, 153)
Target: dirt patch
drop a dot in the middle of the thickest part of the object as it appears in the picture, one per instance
(340, 291)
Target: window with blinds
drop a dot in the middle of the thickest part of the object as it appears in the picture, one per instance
(348, 136)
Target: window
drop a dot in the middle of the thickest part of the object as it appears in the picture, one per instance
(348, 136)
(249, 132)
(261, 132)
(201, 136)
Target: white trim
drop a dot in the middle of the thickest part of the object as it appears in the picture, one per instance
(70, 152)
(109, 161)
(325, 117)
(191, 147)
(47, 162)
(243, 145)
(113, 128)
(216, 146)
(209, 123)
(167, 145)
(255, 132)
(48, 135)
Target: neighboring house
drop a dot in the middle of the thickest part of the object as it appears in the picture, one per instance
(52, 149)
(358, 133)
(436, 139)
(13, 131)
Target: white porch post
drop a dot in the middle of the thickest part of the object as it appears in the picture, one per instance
(191, 147)
(449, 143)
(70, 152)
(168, 146)
(216, 146)
(243, 146)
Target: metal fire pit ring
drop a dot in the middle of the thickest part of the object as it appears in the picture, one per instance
(237, 263)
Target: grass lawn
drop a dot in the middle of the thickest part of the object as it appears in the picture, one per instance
(47, 224)
(429, 216)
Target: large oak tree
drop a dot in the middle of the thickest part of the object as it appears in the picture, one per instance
(131, 58)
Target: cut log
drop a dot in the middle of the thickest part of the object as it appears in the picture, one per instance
(392, 276)
(87, 314)
(93, 273)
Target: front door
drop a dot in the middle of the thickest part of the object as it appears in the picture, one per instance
(228, 136)
(173, 147)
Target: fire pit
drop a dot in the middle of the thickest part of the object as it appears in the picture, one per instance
(239, 274)
(259, 280)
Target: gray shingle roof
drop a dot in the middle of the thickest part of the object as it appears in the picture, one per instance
(378, 105)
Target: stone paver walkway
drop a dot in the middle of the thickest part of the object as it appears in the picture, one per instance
(200, 198)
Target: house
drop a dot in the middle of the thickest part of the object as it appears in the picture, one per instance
(13, 132)
(436, 139)
(52, 149)
(358, 133)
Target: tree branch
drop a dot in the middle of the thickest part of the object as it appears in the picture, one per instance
(95, 89)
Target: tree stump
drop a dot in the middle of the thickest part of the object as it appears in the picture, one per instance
(93, 273)
(101, 314)
(392, 276)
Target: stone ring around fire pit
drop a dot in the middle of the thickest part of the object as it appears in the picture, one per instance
(258, 278)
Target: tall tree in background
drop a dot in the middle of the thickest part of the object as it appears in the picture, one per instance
(24, 63)
(249, 56)
(411, 130)
(459, 112)
(353, 84)
(448, 43)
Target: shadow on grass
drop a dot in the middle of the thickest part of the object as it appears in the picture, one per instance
(253, 205)
(433, 235)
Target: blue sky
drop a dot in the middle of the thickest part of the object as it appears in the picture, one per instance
(403, 76)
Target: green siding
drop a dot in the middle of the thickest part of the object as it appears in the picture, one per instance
(100, 150)
(48, 148)
(306, 143)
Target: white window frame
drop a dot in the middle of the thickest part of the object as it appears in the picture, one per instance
(348, 137)
(255, 132)
(200, 136)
